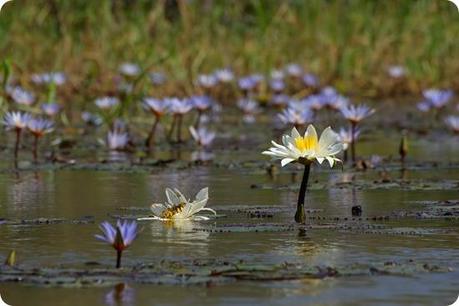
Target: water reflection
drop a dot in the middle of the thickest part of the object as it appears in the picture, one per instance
(121, 294)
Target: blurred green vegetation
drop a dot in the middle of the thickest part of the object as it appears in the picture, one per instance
(348, 43)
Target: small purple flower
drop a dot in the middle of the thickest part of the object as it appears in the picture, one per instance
(345, 136)
(21, 96)
(38, 126)
(50, 109)
(453, 123)
(179, 106)
(224, 75)
(119, 237)
(310, 80)
(207, 80)
(130, 69)
(57, 78)
(314, 102)
(156, 106)
(107, 102)
(202, 136)
(277, 85)
(396, 71)
(249, 83)
(294, 70)
(16, 120)
(117, 140)
(280, 100)
(355, 114)
(201, 103)
(437, 98)
(296, 117)
(248, 106)
(157, 78)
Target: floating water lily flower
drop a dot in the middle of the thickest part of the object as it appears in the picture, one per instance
(294, 70)
(178, 107)
(296, 117)
(158, 108)
(207, 81)
(16, 121)
(57, 78)
(117, 140)
(21, 96)
(249, 83)
(453, 123)
(250, 108)
(437, 98)
(202, 136)
(50, 109)
(396, 71)
(224, 75)
(130, 69)
(304, 150)
(105, 103)
(179, 208)
(39, 127)
(314, 102)
(201, 104)
(119, 237)
(355, 114)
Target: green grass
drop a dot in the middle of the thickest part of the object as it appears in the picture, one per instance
(348, 43)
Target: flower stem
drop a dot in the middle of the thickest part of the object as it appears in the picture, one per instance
(151, 136)
(35, 149)
(353, 126)
(18, 140)
(118, 259)
(174, 120)
(179, 128)
(198, 120)
(299, 215)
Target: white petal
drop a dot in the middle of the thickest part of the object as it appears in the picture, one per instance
(286, 161)
(172, 198)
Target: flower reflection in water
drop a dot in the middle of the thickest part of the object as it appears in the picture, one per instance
(121, 294)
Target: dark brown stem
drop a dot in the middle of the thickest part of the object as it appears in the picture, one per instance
(16, 147)
(300, 215)
(174, 120)
(198, 120)
(179, 128)
(151, 136)
(345, 156)
(118, 259)
(35, 149)
(353, 126)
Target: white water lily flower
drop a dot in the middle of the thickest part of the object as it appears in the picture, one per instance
(179, 208)
(307, 148)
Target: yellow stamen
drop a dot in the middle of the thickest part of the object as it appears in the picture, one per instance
(306, 143)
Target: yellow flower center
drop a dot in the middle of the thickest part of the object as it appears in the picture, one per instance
(306, 143)
(170, 212)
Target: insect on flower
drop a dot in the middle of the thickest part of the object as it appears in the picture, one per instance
(119, 237)
(179, 208)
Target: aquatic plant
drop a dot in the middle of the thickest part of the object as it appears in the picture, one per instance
(38, 127)
(158, 108)
(117, 140)
(50, 109)
(453, 123)
(119, 237)
(179, 208)
(345, 136)
(437, 98)
(304, 150)
(16, 121)
(201, 104)
(355, 114)
(202, 136)
(297, 117)
(178, 108)
(21, 96)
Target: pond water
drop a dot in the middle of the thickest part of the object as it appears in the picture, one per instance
(255, 227)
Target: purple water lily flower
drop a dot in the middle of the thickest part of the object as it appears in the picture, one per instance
(453, 123)
(119, 237)
(157, 106)
(21, 96)
(296, 117)
(201, 103)
(280, 100)
(294, 70)
(58, 78)
(39, 127)
(248, 106)
(437, 98)
(310, 80)
(355, 114)
(277, 85)
(50, 109)
(117, 140)
(207, 80)
(202, 136)
(16, 121)
(224, 75)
